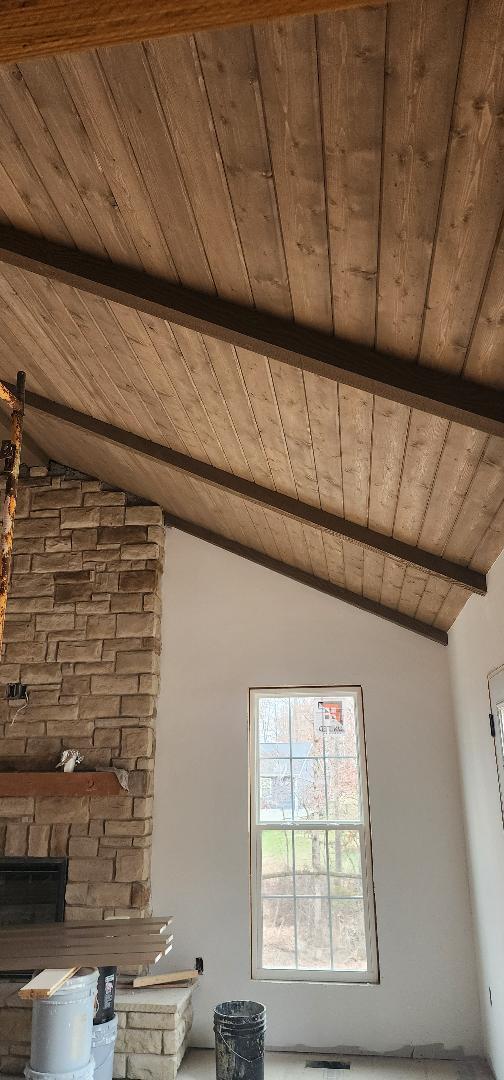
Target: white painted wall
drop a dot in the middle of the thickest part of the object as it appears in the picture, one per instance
(476, 647)
(229, 625)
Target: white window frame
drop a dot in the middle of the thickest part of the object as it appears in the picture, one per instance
(497, 714)
(371, 974)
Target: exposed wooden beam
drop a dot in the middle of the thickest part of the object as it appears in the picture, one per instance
(245, 489)
(362, 602)
(414, 385)
(44, 27)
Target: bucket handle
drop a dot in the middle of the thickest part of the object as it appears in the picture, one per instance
(249, 1061)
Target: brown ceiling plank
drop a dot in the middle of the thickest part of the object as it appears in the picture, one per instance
(423, 49)
(482, 502)
(44, 27)
(101, 120)
(413, 588)
(291, 508)
(287, 62)
(484, 359)
(351, 54)
(462, 453)
(472, 203)
(450, 608)
(231, 81)
(178, 79)
(433, 597)
(130, 83)
(444, 457)
(310, 580)
(356, 365)
(256, 374)
(424, 43)
(270, 178)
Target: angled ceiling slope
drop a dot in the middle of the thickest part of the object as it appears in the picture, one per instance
(340, 173)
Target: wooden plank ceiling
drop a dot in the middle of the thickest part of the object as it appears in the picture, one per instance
(343, 170)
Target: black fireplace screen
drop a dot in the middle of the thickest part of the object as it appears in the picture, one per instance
(32, 890)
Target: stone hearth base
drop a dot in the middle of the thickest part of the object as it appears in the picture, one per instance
(154, 1027)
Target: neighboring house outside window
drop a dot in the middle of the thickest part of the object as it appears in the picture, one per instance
(312, 891)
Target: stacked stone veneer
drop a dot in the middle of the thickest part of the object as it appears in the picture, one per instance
(153, 1033)
(83, 631)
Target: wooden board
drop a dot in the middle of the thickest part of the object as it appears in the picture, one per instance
(166, 978)
(34, 784)
(67, 942)
(45, 984)
(68, 952)
(49, 26)
(114, 926)
(83, 959)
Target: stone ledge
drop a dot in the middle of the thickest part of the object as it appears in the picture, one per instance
(154, 1028)
(166, 999)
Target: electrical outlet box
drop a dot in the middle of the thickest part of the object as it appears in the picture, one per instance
(16, 691)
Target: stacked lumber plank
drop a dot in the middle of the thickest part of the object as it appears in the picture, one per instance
(168, 978)
(115, 942)
(46, 983)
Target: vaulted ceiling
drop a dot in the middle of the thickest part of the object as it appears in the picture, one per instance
(344, 171)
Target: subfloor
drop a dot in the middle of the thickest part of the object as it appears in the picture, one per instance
(200, 1065)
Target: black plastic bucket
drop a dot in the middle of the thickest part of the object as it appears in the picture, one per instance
(105, 995)
(239, 1028)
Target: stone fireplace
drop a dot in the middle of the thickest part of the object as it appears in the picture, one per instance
(83, 633)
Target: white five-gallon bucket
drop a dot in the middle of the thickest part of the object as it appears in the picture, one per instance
(62, 1029)
(103, 1045)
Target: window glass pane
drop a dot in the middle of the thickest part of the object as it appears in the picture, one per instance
(273, 727)
(309, 789)
(323, 726)
(344, 854)
(313, 934)
(348, 935)
(275, 790)
(343, 790)
(307, 740)
(278, 934)
(277, 871)
(311, 862)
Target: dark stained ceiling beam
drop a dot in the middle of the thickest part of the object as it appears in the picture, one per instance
(362, 602)
(265, 497)
(45, 27)
(414, 385)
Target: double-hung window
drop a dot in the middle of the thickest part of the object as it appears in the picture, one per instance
(312, 890)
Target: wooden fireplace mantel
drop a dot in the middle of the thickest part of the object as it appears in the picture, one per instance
(17, 784)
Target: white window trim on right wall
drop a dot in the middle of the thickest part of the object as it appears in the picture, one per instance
(258, 972)
(495, 680)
